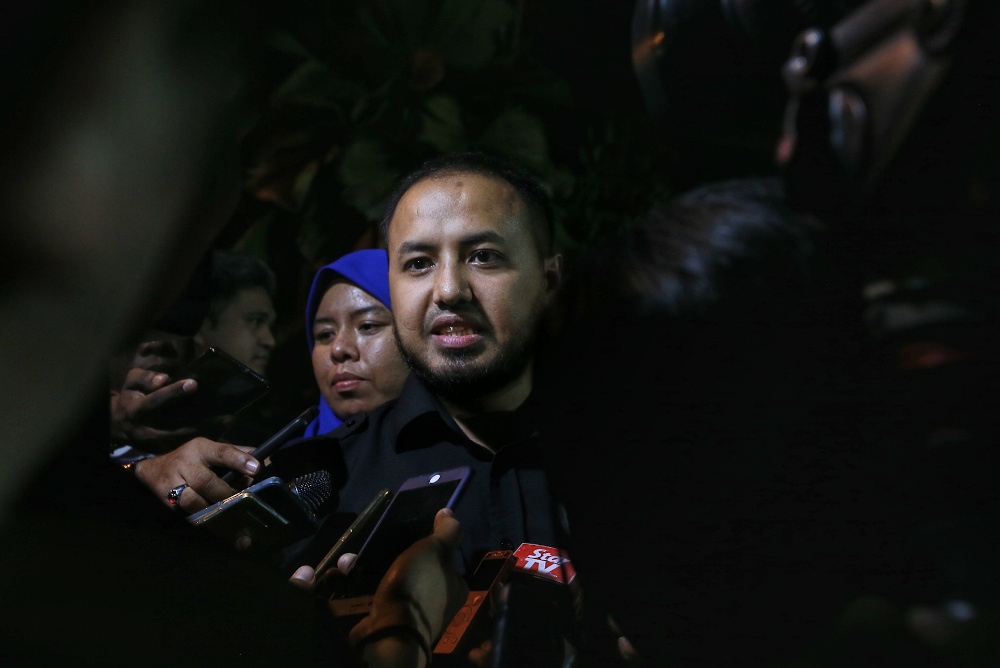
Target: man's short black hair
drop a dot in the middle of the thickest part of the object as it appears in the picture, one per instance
(725, 251)
(231, 272)
(528, 188)
(724, 244)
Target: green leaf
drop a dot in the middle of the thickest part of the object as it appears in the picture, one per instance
(397, 24)
(313, 83)
(254, 241)
(521, 137)
(375, 32)
(467, 31)
(303, 182)
(366, 177)
(554, 91)
(561, 181)
(312, 234)
(517, 135)
(441, 124)
(283, 42)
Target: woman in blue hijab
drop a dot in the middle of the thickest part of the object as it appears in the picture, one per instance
(349, 329)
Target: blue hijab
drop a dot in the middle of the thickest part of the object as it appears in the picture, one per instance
(369, 270)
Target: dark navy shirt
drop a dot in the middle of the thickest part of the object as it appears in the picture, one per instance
(506, 501)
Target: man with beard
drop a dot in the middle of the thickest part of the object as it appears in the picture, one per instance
(471, 272)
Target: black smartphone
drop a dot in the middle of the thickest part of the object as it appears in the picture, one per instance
(353, 538)
(226, 386)
(408, 518)
(264, 517)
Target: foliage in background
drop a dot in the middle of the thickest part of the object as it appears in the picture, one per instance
(374, 87)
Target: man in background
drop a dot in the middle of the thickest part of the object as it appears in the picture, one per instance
(228, 304)
(241, 289)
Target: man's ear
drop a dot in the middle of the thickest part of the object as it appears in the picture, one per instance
(553, 273)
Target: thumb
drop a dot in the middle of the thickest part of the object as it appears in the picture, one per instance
(446, 528)
(303, 577)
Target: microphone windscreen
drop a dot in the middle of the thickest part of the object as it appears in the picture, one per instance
(313, 489)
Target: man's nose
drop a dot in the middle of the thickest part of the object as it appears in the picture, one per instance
(267, 338)
(451, 284)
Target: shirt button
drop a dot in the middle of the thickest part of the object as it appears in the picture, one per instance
(505, 544)
(350, 423)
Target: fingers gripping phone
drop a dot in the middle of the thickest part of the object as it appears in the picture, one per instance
(408, 518)
(263, 517)
(225, 387)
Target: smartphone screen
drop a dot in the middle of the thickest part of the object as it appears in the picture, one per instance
(408, 518)
(225, 387)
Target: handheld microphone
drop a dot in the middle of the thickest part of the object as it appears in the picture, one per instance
(313, 489)
(283, 435)
(520, 599)
(539, 606)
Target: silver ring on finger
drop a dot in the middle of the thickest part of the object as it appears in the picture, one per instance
(174, 495)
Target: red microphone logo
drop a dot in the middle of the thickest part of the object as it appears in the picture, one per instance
(544, 561)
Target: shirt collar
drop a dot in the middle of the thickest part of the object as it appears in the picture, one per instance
(418, 417)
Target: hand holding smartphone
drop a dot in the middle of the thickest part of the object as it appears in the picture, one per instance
(225, 387)
(408, 517)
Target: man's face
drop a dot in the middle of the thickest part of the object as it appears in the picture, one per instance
(244, 329)
(355, 360)
(468, 284)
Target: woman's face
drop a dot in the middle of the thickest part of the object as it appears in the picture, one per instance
(355, 359)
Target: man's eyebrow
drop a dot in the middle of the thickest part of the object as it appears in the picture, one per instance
(414, 247)
(488, 236)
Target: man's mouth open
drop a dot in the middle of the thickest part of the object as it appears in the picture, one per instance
(456, 335)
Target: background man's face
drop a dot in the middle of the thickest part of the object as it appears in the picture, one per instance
(244, 329)
(467, 282)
